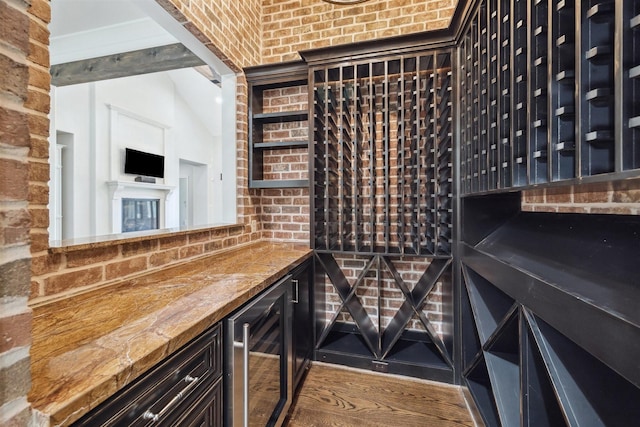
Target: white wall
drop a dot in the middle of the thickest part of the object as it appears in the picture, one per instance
(148, 113)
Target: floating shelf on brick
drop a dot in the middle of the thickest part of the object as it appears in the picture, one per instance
(278, 131)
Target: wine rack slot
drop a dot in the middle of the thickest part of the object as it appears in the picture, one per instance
(631, 85)
(597, 79)
(539, 104)
(520, 96)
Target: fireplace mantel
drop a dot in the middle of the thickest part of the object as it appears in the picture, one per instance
(136, 190)
(117, 188)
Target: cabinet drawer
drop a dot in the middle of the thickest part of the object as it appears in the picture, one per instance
(166, 389)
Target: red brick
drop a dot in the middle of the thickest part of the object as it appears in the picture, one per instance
(165, 257)
(38, 101)
(39, 125)
(125, 268)
(14, 278)
(41, 9)
(45, 264)
(39, 148)
(627, 191)
(72, 279)
(173, 241)
(38, 54)
(15, 331)
(91, 256)
(202, 236)
(38, 193)
(15, 77)
(14, 128)
(13, 176)
(38, 171)
(191, 251)
(213, 246)
(18, 219)
(559, 195)
(138, 248)
(39, 240)
(592, 193)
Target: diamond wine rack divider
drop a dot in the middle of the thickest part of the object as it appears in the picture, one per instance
(550, 321)
(382, 189)
(407, 343)
(527, 373)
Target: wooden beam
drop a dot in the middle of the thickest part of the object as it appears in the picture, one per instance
(151, 60)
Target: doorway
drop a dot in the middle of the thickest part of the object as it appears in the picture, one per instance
(193, 194)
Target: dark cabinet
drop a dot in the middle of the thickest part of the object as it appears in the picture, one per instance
(185, 389)
(302, 331)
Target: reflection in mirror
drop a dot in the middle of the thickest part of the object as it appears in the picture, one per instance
(139, 151)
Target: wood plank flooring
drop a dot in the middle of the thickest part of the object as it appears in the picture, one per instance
(343, 397)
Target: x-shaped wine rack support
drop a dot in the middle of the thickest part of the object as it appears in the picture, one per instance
(380, 344)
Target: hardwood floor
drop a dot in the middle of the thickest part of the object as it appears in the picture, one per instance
(343, 397)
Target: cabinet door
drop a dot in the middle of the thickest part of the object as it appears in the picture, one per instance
(302, 321)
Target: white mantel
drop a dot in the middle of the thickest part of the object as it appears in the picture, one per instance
(119, 190)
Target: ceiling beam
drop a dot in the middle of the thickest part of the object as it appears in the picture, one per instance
(151, 60)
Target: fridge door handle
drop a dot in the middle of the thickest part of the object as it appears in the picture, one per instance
(296, 284)
(245, 373)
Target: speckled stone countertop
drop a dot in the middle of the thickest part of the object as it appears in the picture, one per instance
(88, 346)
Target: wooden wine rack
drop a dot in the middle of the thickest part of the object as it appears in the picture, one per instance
(382, 144)
(549, 93)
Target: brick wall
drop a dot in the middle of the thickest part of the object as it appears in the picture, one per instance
(61, 271)
(294, 25)
(18, 118)
(622, 197)
(231, 29)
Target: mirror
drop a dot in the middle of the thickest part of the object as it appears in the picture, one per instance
(137, 152)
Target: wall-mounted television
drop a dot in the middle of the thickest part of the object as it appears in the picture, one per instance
(141, 163)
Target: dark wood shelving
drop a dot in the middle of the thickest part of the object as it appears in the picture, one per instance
(589, 391)
(503, 363)
(539, 95)
(280, 144)
(280, 117)
(265, 78)
(477, 380)
(539, 405)
(488, 304)
(560, 257)
(555, 63)
(383, 189)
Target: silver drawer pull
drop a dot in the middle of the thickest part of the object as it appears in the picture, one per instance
(191, 381)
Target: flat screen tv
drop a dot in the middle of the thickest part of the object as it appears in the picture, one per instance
(141, 163)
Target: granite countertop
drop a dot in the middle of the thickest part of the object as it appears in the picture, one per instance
(88, 346)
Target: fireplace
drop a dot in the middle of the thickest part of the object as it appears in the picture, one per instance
(140, 214)
(138, 206)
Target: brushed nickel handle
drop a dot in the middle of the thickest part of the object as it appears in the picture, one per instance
(296, 285)
(245, 373)
(191, 383)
